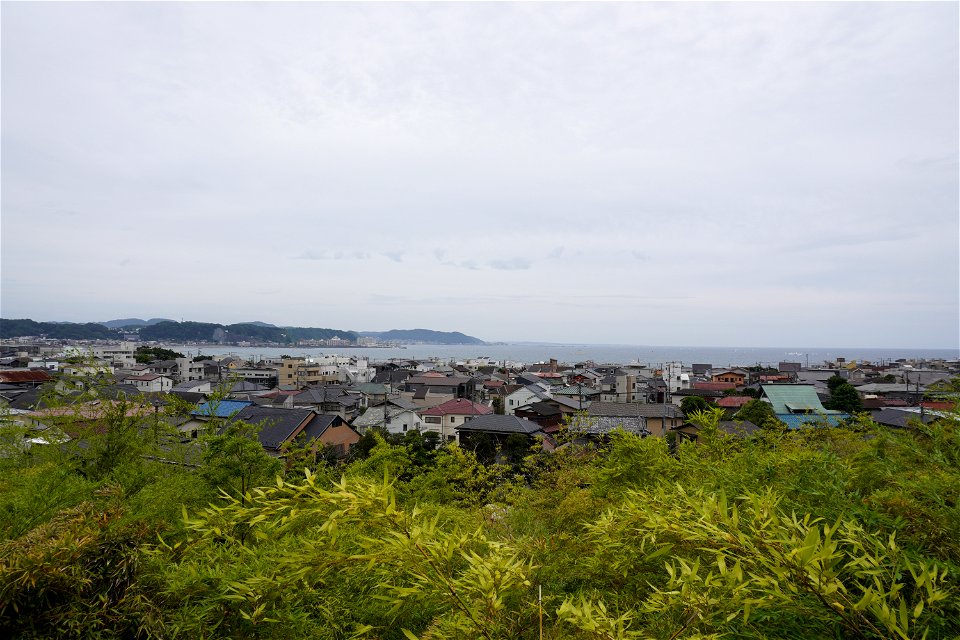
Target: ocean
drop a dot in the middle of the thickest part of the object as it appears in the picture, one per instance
(599, 353)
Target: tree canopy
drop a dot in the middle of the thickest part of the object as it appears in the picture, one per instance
(844, 397)
(810, 533)
(759, 413)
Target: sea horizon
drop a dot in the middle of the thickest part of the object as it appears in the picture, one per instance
(571, 353)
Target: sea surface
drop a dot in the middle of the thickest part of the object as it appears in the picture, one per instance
(600, 354)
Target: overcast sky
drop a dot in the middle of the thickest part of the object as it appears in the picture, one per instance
(685, 174)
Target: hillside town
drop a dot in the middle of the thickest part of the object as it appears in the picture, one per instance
(331, 401)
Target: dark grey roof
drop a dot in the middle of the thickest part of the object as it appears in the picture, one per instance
(738, 427)
(189, 385)
(244, 386)
(403, 403)
(431, 381)
(899, 418)
(874, 387)
(318, 395)
(570, 403)
(193, 397)
(278, 424)
(631, 410)
(741, 428)
(817, 375)
(602, 425)
(529, 378)
(392, 376)
(494, 423)
(541, 408)
(27, 400)
(701, 393)
(321, 423)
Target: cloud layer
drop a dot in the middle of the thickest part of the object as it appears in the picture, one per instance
(728, 174)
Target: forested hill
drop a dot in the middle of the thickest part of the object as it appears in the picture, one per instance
(171, 331)
(15, 328)
(427, 336)
(247, 331)
(160, 330)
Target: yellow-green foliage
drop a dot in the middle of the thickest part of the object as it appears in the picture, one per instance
(818, 533)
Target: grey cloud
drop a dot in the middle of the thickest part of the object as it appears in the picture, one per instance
(512, 264)
(313, 254)
(462, 264)
(814, 139)
(395, 256)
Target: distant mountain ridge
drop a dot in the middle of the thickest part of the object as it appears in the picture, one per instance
(15, 328)
(427, 336)
(240, 332)
(164, 330)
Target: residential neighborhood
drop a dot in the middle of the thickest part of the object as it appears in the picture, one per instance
(332, 400)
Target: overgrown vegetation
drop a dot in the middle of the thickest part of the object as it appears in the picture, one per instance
(125, 532)
(145, 354)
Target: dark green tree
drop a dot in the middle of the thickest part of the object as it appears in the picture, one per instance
(236, 462)
(693, 403)
(835, 381)
(845, 398)
(366, 443)
(759, 413)
(144, 355)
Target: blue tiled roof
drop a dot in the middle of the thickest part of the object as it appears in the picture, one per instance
(796, 420)
(222, 409)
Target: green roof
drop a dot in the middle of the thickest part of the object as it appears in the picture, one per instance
(794, 398)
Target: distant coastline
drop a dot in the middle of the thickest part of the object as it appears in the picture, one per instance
(573, 353)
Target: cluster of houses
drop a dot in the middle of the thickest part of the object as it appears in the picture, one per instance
(332, 400)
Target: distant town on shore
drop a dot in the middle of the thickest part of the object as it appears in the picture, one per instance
(447, 397)
(244, 334)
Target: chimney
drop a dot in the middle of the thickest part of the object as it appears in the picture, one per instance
(553, 365)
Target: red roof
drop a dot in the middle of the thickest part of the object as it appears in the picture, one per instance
(24, 375)
(460, 406)
(938, 406)
(281, 392)
(732, 402)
